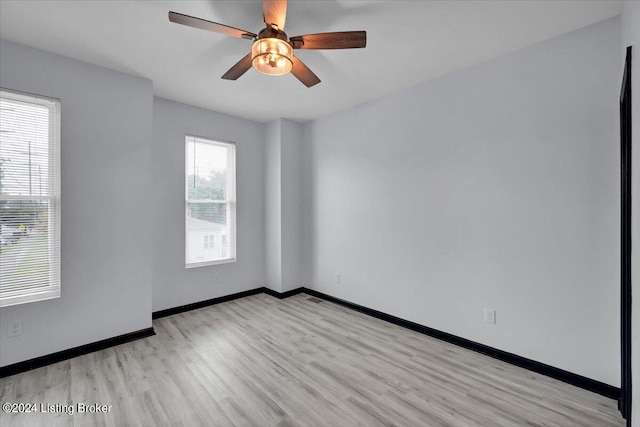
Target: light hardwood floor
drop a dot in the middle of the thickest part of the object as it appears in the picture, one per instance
(260, 361)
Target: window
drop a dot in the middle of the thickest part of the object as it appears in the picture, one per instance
(29, 198)
(209, 242)
(210, 194)
(224, 245)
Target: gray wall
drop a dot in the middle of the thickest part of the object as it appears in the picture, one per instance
(106, 177)
(496, 186)
(291, 172)
(283, 204)
(273, 207)
(173, 284)
(631, 37)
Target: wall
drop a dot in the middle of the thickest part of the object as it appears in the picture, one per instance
(283, 204)
(291, 170)
(106, 175)
(173, 284)
(496, 186)
(631, 37)
(273, 207)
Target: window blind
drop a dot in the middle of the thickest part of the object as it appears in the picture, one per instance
(29, 198)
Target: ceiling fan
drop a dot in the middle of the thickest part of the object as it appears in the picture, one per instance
(271, 52)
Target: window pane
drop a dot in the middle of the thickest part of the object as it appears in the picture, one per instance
(206, 232)
(206, 171)
(24, 245)
(24, 152)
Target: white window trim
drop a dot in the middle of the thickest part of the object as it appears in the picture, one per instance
(54, 289)
(230, 202)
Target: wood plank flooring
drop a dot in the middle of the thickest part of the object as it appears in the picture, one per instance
(260, 361)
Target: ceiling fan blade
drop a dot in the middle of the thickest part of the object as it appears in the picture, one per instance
(337, 40)
(303, 73)
(275, 12)
(239, 69)
(203, 24)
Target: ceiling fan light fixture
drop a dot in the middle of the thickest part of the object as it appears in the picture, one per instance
(272, 51)
(272, 56)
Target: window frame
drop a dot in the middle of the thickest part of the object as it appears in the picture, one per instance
(231, 200)
(54, 106)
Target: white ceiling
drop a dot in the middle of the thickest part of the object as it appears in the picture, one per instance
(407, 42)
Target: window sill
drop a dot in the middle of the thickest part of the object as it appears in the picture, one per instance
(207, 263)
(25, 299)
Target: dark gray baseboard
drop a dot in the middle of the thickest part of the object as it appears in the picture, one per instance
(205, 303)
(60, 356)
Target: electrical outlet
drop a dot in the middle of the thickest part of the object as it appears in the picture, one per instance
(15, 328)
(489, 315)
(337, 278)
